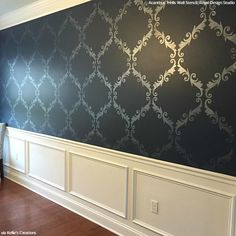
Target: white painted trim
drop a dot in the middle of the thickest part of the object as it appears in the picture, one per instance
(35, 10)
(119, 213)
(26, 147)
(67, 172)
(113, 219)
(42, 179)
(47, 182)
(186, 184)
(84, 210)
(99, 160)
(219, 178)
(13, 167)
(232, 225)
(154, 229)
(15, 137)
(27, 164)
(230, 196)
(47, 146)
(105, 207)
(133, 210)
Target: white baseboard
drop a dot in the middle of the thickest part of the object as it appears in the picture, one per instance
(115, 189)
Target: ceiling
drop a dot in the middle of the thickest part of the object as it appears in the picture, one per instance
(15, 12)
(7, 6)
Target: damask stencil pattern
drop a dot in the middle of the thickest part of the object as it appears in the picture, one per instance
(154, 80)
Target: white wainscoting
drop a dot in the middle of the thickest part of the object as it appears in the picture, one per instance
(181, 205)
(15, 157)
(47, 164)
(115, 189)
(100, 184)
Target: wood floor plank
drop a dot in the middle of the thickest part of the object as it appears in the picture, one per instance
(24, 210)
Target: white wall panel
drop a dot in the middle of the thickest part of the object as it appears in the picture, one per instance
(183, 209)
(102, 183)
(14, 153)
(47, 164)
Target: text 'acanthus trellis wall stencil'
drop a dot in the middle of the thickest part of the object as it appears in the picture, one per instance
(154, 80)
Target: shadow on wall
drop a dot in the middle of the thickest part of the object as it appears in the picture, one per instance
(128, 76)
(2, 133)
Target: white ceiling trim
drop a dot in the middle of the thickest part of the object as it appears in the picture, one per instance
(35, 10)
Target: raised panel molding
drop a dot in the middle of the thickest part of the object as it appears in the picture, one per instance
(206, 200)
(35, 10)
(126, 184)
(47, 164)
(15, 153)
(98, 181)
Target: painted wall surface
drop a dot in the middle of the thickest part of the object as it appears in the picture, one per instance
(154, 80)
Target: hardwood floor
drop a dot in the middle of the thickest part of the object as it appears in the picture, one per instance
(22, 210)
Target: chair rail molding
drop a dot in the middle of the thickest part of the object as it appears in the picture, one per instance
(35, 10)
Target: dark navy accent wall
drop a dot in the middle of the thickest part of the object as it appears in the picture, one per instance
(154, 80)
